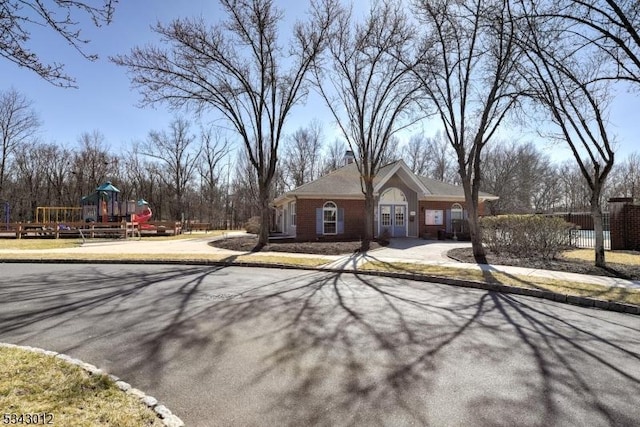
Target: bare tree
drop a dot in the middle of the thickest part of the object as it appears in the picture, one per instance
(626, 177)
(215, 149)
(91, 164)
(143, 179)
(549, 193)
(516, 173)
(178, 156)
(29, 179)
(609, 26)
(333, 156)
(239, 69)
(565, 84)
(58, 173)
(430, 156)
(244, 200)
(18, 124)
(469, 76)
(302, 150)
(18, 17)
(417, 155)
(369, 92)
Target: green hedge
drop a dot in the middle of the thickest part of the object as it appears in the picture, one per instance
(526, 236)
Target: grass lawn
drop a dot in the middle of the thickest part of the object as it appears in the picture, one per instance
(616, 294)
(48, 243)
(184, 236)
(625, 258)
(264, 259)
(32, 383)
(23, 244)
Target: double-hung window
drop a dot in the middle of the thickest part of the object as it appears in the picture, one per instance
(329, 218)
(292, 209)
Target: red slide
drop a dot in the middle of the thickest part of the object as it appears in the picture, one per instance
(144, 215)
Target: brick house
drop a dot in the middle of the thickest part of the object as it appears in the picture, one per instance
(407, 205)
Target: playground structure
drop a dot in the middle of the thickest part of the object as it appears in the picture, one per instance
(101, 214)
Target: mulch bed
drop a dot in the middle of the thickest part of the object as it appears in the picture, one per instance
(247, 244)
(566, 265)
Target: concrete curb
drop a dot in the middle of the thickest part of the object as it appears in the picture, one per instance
(536, 293)
(165, 415)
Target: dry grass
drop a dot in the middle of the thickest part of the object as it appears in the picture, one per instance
(174, 257)
(49, 243)
(34, 383)
(625, 258)
(185, 236)
(267, 259)
(616, 294)
(24, 244)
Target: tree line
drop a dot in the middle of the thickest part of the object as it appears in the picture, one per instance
(473, 65)
(194, 173)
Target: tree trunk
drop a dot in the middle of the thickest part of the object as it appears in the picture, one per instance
(598, 229)
(475, 235)
(369, 203)
(265, 217)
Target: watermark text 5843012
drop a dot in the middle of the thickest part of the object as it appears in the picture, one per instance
(33, 418)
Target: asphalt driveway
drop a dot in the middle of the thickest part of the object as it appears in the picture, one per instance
(238, 346)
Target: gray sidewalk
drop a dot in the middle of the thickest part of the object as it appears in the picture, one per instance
(407, 250)
(431, 252)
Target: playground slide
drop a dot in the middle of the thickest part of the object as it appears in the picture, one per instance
(144, 216)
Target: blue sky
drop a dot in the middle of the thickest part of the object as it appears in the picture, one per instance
(106, 102)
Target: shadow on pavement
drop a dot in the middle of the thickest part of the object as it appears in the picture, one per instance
(312, 348)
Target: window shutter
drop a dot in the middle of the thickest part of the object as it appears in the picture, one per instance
(340, 220)
(447, 221)
(318, 220)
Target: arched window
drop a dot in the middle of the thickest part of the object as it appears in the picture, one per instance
(393, 195)
(456, 211)
(329, 218)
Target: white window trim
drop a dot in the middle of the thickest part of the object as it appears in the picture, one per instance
(335, 209)
(293, 214)
(457, 208)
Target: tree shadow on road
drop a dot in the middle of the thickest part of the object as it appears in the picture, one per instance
(337, 349)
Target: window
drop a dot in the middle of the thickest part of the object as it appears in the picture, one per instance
(329, 218)
(392, 195)
(293, 214)
(456, 211)
(399, 216)
(385, 216)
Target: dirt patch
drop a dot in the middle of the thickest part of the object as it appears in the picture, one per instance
(570, 266)
(247, 244)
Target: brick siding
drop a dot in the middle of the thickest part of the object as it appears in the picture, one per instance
(431, 231)
(625, 224)
(353, 219)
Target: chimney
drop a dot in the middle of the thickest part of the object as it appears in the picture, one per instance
(349, 157)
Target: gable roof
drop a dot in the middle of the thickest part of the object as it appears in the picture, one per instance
(345, 183)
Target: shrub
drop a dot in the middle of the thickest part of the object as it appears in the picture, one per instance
(384, 238)
(252, 225)
(526, 236)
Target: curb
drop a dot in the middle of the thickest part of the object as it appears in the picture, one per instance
(493, 287)
(536, 293)
(165, 415)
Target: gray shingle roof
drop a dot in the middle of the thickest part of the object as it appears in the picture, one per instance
(345, 182)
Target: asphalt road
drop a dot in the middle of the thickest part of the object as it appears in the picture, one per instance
(243, 347)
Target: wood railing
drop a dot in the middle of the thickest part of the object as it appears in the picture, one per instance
(56, 230)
